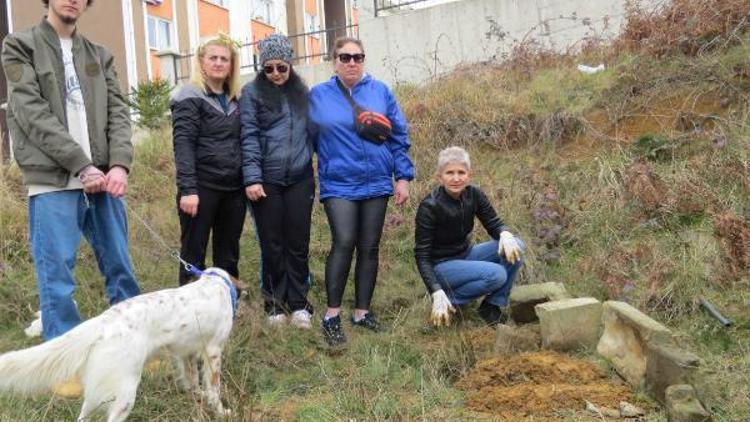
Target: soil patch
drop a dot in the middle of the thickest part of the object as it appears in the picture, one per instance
(545, 385)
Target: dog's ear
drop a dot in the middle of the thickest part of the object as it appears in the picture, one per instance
(239, 285)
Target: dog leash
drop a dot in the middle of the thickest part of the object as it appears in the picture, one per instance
(190, 268)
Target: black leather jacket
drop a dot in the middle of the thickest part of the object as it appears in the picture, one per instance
(444, 225)
(206, 141)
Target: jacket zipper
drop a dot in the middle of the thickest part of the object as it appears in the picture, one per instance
(287, 163)
(461, 201)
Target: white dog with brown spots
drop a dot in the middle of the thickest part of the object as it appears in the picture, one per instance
(108, 352)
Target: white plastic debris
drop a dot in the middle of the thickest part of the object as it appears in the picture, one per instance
(35, 328)
(590, 70)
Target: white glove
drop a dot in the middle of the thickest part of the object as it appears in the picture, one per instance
(508, 246)
(441, 309)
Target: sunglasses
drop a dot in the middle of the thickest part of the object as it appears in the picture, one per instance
(281, 68)
(346, 58)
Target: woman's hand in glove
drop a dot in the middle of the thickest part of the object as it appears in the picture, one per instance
(508, 246)
(441, 309)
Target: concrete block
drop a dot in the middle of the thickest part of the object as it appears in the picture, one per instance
(683, 406)
(570, 324)
(516, 339)
(523, 299)
(666, 365)
(627, 331)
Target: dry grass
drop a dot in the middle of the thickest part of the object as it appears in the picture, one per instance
(655, 223)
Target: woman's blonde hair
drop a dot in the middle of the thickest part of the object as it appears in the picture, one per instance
(232, 84)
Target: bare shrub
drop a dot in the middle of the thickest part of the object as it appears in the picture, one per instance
(734, 238)
(645, 187)
(685, 26)
(549, 223)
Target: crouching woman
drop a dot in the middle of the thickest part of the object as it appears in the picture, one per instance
(454, 271)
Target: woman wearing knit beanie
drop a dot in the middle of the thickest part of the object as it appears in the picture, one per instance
(278, 178)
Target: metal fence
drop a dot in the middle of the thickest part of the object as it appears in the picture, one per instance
(386, 5)
(316, 47)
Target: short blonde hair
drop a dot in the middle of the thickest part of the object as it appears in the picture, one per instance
(232, 84)
(453, 155)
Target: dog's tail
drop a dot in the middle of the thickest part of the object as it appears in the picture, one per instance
(49, 364)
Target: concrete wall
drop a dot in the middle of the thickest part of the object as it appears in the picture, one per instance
(418, 45)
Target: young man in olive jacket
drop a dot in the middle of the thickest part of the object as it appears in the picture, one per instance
(70, 128)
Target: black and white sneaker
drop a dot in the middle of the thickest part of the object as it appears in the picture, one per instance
(332, 331)
(368, 321)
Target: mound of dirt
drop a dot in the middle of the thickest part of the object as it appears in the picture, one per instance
(544, 385)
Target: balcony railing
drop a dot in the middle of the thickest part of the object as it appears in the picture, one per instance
(183, 64)
(390, 5)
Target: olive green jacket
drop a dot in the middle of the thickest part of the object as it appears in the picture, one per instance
(42, 146)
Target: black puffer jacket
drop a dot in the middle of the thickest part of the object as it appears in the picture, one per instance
(444, 225)
(206, 142)
(276, 146)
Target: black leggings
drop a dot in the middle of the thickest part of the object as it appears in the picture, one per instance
(282, 219)
(354, 224)
(220, 212)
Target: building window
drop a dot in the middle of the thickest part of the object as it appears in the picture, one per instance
(312, 24)
(263, 10)
(159, 33)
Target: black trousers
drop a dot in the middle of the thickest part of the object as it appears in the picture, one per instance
(220, 212)
(282, 219)
(354, 224)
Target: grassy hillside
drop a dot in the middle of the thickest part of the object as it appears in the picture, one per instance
(630, 184)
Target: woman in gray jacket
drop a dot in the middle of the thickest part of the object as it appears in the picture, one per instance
(278, 178)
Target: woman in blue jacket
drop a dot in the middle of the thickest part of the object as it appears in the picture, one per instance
(278, 177)
(356, 179)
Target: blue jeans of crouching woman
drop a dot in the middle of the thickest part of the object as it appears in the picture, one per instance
(56, 222)
(481, 273)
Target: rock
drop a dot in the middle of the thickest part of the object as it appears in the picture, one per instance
(514, 339)
(523, 299)
(683, 406)
(570, 324)
(627, 331)
(666, 365)
(628, 410)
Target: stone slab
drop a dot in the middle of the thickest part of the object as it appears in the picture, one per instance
(570, 324)
(525, 297)
(666, 365)
(682, 405)
(627, 331)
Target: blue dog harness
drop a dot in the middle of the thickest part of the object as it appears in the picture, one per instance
(232, 290)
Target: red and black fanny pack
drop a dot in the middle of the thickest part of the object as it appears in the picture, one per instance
(370, 125)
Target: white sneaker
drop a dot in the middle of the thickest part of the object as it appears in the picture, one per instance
(276, 320)
(302, 319)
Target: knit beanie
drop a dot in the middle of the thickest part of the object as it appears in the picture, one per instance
(275, 47)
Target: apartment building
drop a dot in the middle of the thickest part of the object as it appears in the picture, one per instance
(152, 38)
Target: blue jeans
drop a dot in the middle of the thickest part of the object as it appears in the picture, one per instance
(482, 272)
(56, 222)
